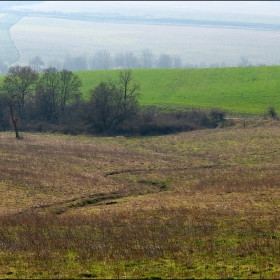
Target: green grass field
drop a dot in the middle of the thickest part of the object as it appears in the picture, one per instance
(238, 90)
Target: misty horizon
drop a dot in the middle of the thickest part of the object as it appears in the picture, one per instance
(200, 33)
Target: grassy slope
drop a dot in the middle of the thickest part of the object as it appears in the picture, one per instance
(238, 90)
(203, 204)
(248, 90)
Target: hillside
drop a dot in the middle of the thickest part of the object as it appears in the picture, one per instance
(201, 204)
(239, 90)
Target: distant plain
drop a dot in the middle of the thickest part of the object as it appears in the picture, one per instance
(53, 38)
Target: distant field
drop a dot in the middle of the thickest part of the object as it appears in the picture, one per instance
(249, 90)
(53, 38)
(8, 52)
(239, 90)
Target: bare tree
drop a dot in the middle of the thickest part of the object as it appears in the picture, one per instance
(164, 61)
(10, 99)
(54, 90)
(177, 62)
(18, 83)
(3, 113)
(36, 63)
(101, 60)
(128, 88)
(69, 88)
(130, 60)
(76, 63)
(147, 58)
(47, 94)
(113, 104)
(244, 61)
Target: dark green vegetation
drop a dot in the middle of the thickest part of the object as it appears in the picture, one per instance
(201, 204)
(53, 101)
(238, 90)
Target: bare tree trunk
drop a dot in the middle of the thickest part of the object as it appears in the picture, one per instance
(14, 121)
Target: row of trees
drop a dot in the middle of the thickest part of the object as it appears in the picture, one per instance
(52, 101)
(102, 59)
(54, 97)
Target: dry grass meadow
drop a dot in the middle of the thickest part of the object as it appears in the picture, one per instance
(202, 204)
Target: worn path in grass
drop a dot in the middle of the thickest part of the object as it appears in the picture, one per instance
(201, 204)
(44, 170)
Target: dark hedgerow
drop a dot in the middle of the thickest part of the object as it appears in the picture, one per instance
(149, 123)
(217, 115)
(146, 123)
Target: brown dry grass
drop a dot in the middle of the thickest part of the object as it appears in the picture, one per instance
(201, 204)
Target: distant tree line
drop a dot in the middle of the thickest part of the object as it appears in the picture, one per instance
(104, 60)
(52, 102)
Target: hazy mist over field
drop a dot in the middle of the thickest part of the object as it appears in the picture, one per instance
(156, 7)
(193, 33)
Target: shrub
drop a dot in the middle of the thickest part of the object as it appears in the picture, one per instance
(271, 112)
(152, 123)
(217, 115)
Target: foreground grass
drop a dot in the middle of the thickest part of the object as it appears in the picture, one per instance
(201, 204)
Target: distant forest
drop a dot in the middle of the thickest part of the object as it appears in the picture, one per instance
(104, 60)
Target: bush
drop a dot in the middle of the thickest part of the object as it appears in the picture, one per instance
(217, 115)
(271, 112)
(152, 123)
(148, 122)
